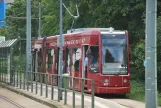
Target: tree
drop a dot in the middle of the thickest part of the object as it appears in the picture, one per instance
(16, 19)
(3, 32)
(120, 14)
(159, 52)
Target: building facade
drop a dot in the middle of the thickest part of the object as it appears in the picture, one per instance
(3, 7)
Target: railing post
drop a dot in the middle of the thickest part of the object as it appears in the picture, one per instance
(27, 77)
(82, 93)
(41, 84)
(0, 68)
(14, 78)
(17, 78)
(5, 76)
(52, 83)
(65, 94)
(32, 81)
(1, 75)
(46, 85)
(92, 92)
(2, 72)
(36, 75)
(20, 78)
(24, 76)
(73, 92)
(58, 89)
(2, 65)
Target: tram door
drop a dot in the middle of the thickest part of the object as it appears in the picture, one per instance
(55, 66)
(52, 64)
(71, 58)
(34, 63)
(84, 62)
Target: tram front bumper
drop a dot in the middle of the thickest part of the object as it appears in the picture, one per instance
(112, 90)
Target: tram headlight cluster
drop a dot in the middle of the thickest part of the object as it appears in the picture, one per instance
(125, 80)
(106, 81)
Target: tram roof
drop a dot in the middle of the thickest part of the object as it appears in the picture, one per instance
(87, 29)
(79, 30)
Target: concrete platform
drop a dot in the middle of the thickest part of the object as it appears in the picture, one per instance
(17, 99)
(99, 102)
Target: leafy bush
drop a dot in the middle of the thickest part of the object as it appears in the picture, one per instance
(159, 52)
(137, 90)
(138, 56)
(19, 62)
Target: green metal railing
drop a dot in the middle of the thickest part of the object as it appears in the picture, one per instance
(18, 79)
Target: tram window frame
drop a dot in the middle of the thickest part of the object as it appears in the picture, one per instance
(97, 59)
(56, 60)
(69, 64)
(64, 65)
(49, 61)
(39, 61)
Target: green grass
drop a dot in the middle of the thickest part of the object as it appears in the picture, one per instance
(159, 99)
(138, 91)
(138, 87)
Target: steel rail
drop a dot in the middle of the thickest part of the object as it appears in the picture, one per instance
(10, 101)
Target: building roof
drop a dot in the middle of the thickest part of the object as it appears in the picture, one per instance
(8, 43)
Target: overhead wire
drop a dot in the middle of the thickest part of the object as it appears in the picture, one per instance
(15, 17)
(74, 17)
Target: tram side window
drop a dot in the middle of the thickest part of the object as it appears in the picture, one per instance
(64, 59)
(94, 59)
(73, 59)
(55, 58)
(49, 59)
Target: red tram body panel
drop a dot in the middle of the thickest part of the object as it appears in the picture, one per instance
(107, 63)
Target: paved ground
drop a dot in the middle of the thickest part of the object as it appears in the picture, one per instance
(99, 102)
(17, 99)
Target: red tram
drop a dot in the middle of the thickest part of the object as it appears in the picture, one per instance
(108, 63)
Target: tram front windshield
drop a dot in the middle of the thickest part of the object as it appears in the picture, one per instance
(114, 54)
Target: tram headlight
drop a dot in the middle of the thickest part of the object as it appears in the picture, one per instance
(125, 80)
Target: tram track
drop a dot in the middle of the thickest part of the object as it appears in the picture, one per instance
(11, 102)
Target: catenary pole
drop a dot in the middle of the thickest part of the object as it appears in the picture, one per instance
(151, 55)
(28, 37)
(39, 20)
(61, 38)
